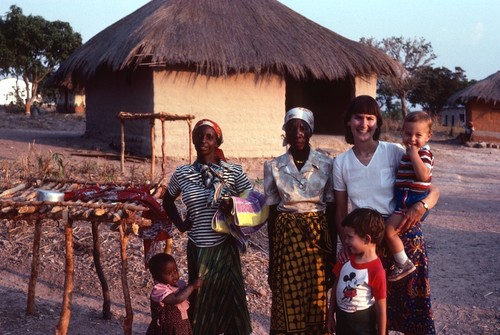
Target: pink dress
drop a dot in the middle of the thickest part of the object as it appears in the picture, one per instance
(168, 319)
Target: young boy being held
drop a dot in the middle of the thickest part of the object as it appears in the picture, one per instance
(358, 298)
(413, 180)
(169, 296)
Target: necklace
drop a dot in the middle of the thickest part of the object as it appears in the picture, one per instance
(299, 162)
(364, 157)
(366, 154)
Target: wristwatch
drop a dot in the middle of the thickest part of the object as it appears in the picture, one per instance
(426, 207)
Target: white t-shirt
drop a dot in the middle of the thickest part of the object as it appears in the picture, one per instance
(359, 285)
(369, 186)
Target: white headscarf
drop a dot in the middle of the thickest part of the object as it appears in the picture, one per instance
(302, 114)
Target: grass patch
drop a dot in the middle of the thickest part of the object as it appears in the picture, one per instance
(54, 165)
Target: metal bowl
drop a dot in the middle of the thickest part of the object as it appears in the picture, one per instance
(48, 195)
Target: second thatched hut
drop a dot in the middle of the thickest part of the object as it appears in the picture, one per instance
(482, 107)
(242, 63)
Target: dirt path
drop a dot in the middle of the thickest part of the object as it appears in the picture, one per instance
(462, 233)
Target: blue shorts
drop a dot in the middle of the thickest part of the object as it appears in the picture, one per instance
(406, 198)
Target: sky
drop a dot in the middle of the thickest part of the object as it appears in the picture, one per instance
(464, 33)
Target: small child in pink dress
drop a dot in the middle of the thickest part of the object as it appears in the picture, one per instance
(169, 296)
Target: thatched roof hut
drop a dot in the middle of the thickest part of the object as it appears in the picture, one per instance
(486, 90)
(200, 43)
(482, 107)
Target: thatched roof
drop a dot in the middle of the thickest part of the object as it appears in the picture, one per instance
(487, 90)
(221, 37)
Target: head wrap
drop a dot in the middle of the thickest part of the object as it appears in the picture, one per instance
(302, 114)
(218, 132)
(211, 124)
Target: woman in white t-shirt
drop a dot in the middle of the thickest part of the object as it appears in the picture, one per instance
(365, 175)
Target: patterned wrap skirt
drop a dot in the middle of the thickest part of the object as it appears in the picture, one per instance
(219, 305)
(301, 246)
(409, 299)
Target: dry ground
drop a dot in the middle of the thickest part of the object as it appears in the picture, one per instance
(462, 234)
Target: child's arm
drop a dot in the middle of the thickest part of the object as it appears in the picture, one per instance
(421, 170)
(330, 312)
(381, 312)
(183, 293)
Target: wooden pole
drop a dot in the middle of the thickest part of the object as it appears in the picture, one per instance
(106, 305)
(122, 158)
(163, 155)
(129, 314)
(190, 140)
(35, 262)
(62, 327)
(168, 246)
(152, 132)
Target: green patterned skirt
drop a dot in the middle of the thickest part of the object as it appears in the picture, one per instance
(219, 305)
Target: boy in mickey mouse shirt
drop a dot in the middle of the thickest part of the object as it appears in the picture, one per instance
(358, 301)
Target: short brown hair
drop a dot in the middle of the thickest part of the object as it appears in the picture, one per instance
(363, 104)
(366, 221)
(418, 117)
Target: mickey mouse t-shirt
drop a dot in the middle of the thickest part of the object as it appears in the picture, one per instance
(359, 285)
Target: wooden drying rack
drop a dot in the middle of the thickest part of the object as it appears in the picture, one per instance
(20, 203)
(153, 117)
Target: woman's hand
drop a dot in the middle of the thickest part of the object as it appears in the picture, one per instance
(226, 205)
(330, 311)
(411, 217)
(414, 214)
(330, 323)
(343, 255)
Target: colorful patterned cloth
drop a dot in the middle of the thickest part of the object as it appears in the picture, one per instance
(298, 281)
(161, 227)
(249, 215)
(409, 299)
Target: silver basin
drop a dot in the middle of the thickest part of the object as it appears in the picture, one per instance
(48, 195)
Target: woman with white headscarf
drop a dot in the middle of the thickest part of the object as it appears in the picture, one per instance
(299, 191)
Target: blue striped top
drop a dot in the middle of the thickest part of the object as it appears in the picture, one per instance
(187, 181)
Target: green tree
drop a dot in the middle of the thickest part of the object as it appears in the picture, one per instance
(412, 54)
(434, 86)
(31, 48)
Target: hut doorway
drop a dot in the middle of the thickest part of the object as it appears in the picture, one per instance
(328, 100)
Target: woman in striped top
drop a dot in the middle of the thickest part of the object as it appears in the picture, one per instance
(220, 304)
